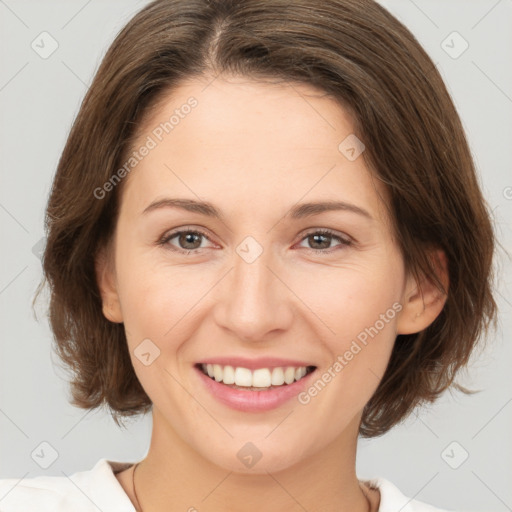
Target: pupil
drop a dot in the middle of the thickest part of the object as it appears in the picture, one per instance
(325, 244)
(188, 238)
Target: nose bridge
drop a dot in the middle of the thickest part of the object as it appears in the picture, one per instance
(254, 300)
(252, 279)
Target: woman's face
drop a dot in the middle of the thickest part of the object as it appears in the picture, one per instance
(260, 287)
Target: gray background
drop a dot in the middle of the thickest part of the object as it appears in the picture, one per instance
(39, 98)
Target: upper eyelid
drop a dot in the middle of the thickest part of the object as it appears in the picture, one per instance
(172, 234)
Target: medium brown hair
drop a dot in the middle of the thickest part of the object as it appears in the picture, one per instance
(353, 50)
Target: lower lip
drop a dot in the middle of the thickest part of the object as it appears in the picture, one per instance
(253, 401)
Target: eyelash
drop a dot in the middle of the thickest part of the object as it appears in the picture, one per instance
(164, 241)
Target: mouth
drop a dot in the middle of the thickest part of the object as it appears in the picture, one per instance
(259, 379)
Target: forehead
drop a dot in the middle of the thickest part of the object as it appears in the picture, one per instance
(244, 110)
(260, 144)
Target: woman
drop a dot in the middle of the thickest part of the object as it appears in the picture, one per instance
(261, 230)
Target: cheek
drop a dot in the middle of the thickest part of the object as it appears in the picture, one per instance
(158, 301)
(346, 300)
(360, 306)
(368, 326)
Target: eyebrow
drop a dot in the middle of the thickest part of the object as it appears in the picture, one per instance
(299, 211)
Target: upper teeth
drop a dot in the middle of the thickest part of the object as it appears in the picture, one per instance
(260, 378)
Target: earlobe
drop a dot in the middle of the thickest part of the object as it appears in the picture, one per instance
(107, 285)
(423, 302)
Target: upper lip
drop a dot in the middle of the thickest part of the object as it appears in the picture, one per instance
(253, 364)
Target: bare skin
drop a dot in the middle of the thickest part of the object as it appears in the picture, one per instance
(125, 478)
(255, 150)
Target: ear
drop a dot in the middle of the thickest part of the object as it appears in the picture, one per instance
(422, 302)
(105, 277)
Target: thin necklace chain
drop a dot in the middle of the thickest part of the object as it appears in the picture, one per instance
(139, 508)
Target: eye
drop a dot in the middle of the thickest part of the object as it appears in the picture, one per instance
(321, 240)
(188, 240)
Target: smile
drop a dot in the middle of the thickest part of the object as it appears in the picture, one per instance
(259, 379)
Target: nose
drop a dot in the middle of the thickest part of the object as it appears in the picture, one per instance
(254, 302)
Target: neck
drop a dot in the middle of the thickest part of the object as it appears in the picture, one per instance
(174, 477)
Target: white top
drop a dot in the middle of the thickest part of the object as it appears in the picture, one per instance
(98, 490)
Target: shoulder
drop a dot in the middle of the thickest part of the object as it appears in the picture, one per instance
(84, 491)
(392, 499)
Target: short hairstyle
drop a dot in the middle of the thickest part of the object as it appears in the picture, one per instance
(363, 57)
